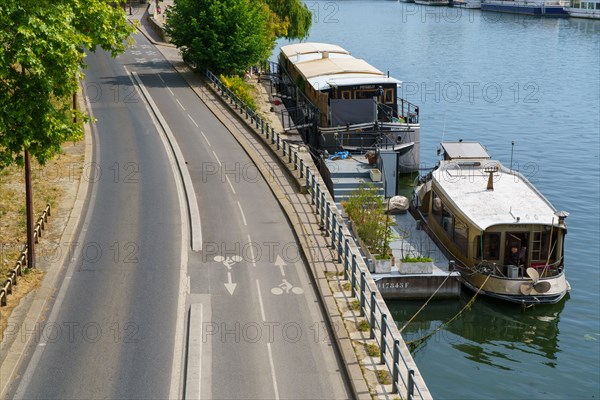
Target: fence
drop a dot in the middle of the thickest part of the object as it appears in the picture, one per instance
(363, 287)
(22, 261)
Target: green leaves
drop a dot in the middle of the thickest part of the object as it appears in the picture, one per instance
(41, 56)
(229, 36)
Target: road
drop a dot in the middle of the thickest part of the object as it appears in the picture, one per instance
(250, 321)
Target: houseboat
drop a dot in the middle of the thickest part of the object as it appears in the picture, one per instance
(433, 2)
(341, 103)
(503, 235)
(544, 8)
(584, 9)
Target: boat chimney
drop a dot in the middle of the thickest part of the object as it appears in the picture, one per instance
(325, 54)
(562, 215)
(490, 171)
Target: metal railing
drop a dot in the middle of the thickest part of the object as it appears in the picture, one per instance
(22, 261)
(372, 307)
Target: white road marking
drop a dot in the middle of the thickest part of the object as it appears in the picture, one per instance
(228, 181)
(161, 79)
(192, 119)
(273, 371)
(217, 157)
(180, 105)
(251, 251)
(242, 212)
(280, 263)
(260, 302)
(205, 138)
(200, 355)
(170, 91)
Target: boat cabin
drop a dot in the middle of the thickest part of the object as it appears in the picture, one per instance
(487, 215)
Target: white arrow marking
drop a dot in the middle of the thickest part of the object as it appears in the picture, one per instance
(230, 286)
(280, 263)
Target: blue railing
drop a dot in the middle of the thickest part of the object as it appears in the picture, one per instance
(363, 287)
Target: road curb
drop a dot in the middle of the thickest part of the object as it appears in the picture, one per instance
(39, 299)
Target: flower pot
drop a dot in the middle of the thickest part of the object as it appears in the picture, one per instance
(382, 266)
(375, 174)
(423, 267)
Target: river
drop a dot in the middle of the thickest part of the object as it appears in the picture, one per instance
(498, 78)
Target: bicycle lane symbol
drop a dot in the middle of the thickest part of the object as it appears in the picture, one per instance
(286, 287)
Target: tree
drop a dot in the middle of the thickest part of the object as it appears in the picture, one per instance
(295, 15)
(225, 36)
(228, 36)
(42, 51)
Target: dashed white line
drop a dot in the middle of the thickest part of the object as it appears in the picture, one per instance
(180, 105)
(273, 371)
(260, 302)
(253, 258)
(205, 138)
(242, 212)
(161, 79)
(170, 91)
(230, 185)
(192, 119)
(217, 157)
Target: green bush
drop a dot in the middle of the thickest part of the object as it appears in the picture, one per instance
(409, 258)
(243, 90)
(364, 325)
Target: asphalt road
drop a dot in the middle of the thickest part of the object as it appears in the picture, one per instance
(255, 316)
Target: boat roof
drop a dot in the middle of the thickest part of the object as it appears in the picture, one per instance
(326, 65)
(514, 200)
(464, 150)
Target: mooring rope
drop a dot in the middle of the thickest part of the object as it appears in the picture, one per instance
(425, 304)
(468, 305)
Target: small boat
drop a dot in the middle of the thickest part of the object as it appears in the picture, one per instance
(505, 237)
(545, 8)
(584, 9)
(433, 2)
(471, 4)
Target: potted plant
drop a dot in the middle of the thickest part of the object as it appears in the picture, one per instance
(410, 264)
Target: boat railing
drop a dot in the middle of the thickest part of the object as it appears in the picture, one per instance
(494, 268)
(408, 111)
(394, 354)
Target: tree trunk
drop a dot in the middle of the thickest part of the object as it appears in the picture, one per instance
(29, 204)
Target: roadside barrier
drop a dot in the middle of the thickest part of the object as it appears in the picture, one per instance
(393, 351)
(22, 260)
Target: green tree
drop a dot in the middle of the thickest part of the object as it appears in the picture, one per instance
(228, 36)
(295, 15)
(42, 51)
(41, 56)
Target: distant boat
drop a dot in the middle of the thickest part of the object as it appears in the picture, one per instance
(545, 8)
(433, 2)
(506, 238)
(584, 9)
(467, 4)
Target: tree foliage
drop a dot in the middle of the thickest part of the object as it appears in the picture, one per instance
(42, 52)
(228, 36)
(225, 36)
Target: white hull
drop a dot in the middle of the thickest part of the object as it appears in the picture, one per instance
(467, 4)
(433, 2)
(583, 13)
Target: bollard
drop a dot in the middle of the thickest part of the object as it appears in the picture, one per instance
(302, 171)
(313, 188)
(322, 203)
(278, 144)
(396, 358)
(296, 162)
(382, 341)
(262, 126)
(363, 283)
(289, 154)
(372, 319)
(272, 135)
(327, 217)
(317, 192)
(333, 225)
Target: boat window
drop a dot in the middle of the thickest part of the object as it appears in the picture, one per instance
(436, 208)
(491, 246)
(447, 221)
(346, 94)
(461, 235)
(388, 96)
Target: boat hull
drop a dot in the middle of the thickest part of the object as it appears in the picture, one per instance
(510, 289)
(433, 2)
(466, 4)
(526, 9)
(582, 13)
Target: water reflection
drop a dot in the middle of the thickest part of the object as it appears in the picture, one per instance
(491, 332)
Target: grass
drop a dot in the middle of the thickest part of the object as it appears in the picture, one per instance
(364, 325)
(52, 184)
(383, 377)
(373, 350)
(355, 305)
(347, 286)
